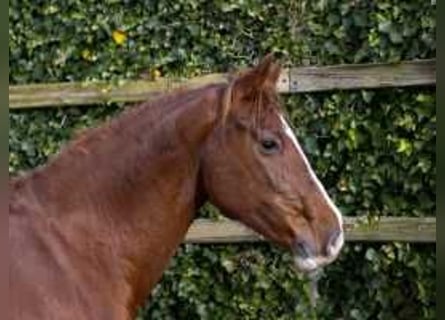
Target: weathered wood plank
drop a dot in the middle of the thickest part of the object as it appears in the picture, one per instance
(366, 76)
(76, 93)
(303, 79)
(401, 229)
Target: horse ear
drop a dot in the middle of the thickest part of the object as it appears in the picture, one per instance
(267, 72)
(249, 83)
(263, 76)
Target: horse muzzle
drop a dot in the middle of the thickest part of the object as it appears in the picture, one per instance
(306, 257)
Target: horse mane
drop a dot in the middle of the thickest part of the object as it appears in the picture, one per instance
(158, 106)
(84, 141)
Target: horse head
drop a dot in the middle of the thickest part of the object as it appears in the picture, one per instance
(255, 171)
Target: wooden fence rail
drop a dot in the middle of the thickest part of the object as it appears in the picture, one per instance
(401, 229)
(293, 80)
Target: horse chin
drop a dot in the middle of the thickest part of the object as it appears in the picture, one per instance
(313, 264)
(305, 265)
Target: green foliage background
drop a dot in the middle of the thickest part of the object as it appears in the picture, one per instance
(374, 150)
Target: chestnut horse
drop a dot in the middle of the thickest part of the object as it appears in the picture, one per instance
(92, 231)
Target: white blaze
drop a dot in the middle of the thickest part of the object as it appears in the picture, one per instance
(334, 249)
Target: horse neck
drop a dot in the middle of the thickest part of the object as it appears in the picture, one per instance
(126, 193)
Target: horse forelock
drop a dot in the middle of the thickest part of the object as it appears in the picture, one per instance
(261, 99)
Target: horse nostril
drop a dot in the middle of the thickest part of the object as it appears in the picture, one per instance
(303, 249)
(334, 243)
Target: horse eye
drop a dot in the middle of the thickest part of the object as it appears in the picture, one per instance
(269, 146)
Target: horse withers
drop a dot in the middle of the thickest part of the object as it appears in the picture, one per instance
(92, 231)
